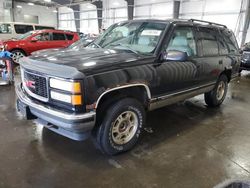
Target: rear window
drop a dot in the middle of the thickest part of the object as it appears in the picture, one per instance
(69, 36)
(208, 41)
(21, 29)
(5, 29)
(58, 36)
(39, 27)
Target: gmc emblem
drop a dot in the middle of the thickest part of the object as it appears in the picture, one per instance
(30, 84)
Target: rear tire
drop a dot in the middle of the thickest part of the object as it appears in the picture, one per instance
(121, 127)
(17, 55)
(216, 97)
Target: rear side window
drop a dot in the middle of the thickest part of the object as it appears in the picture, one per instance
(5, 29)
(21, 29)
(208, 41)
(38, 27)
(58, 36)
(69, 36)
(230, 41)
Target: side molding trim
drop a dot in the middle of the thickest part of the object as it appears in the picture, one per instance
(179, 96)
(122, 87)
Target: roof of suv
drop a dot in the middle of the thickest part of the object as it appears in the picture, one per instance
(185, 21)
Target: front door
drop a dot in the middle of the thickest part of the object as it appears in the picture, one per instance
(42, 42)
(174, 76)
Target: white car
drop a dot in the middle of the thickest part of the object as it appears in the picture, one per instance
(9, 30)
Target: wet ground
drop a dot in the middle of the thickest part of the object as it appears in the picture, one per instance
(183, 145)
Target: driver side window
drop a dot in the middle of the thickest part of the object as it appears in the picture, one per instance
(43, 37)
(183, 40)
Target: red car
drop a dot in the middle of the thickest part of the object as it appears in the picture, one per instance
(38, 40)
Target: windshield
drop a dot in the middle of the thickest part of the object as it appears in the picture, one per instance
(81, 43)
(139, 37)
(26, 35)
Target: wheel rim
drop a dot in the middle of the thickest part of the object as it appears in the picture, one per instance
(124, 127)
(17, 56)
(221, 90)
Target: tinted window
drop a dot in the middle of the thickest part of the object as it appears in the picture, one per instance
(5, 29)
(207, 38)
(223, 49)
(183, 40)
(21, 29)
(58, 36)
(69, 37)
(230, 41)
(38, 27)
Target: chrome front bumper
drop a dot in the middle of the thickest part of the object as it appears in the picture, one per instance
(74, 126)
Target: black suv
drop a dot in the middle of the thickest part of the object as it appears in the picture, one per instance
(135, 66)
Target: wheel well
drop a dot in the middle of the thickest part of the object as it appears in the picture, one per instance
(228, 73)
(138, 92)
(19, 50)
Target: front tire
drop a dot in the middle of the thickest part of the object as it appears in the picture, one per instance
(216, 97)
(17, 55)
(121, 127)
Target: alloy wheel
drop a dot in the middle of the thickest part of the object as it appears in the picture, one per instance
(124, 127)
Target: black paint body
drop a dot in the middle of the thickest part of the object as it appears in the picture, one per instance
(103, 69)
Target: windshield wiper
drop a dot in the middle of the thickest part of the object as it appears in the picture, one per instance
(97, 45)
(126, 47)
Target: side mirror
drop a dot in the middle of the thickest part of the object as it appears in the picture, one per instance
(174, 55)
(33, 39)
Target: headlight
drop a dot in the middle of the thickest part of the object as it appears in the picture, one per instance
(73, 87)
(71, 99)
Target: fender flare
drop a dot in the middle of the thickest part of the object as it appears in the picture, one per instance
(122, 87)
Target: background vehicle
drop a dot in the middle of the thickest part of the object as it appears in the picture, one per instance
(32, 41)
(245, 58)
(9, 30)
(83, 42)
(135, 66)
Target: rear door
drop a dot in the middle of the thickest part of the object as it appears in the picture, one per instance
(59, 40)
(209, 59)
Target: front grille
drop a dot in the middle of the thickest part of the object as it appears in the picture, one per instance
(36, 84)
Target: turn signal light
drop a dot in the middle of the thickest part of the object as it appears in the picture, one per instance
(76, 87)
(76, 100)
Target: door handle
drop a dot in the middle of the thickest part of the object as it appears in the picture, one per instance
(220, 62)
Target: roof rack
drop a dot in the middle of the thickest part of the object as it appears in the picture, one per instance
(210, 23)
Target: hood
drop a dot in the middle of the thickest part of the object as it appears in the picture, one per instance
(45, 51)
(91, 60)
